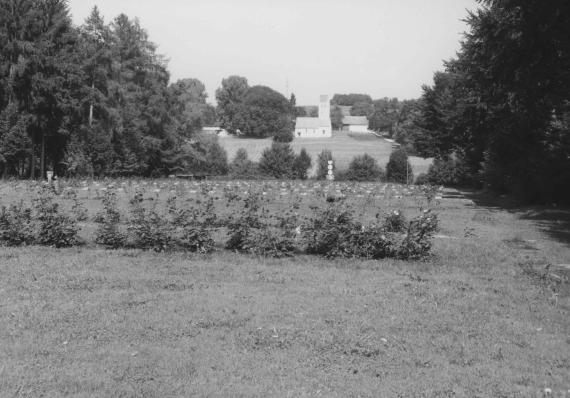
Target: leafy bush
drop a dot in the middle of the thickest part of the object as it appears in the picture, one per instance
(285, 134)
(417, 242)
(149, 229)
(16, 226)
(451, 171)
(364, 168)
(399, 169)
(205, 155)
(242, 167)
(277, 161)
(323, 163)
(196, 222)
(257, 230)
(301, 165)
(108, 231)
(240, 224)
(394, 222)
(54, 227)
(332, 232)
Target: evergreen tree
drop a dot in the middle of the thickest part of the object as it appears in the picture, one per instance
(277, 161)
(301, 165)
(399, 168)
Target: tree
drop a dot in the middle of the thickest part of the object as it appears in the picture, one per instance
(399, 169)
(364, 168)
(301, 165)
(242, 167)
(350, 99)
(265, 113)
(362, 108)
(188, 106)
(336, 117)
(230, 98)
(499, 101)
(38, 75)
(385, 115)
(277, 161)
(205, 155)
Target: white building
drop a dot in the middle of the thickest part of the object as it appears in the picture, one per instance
(313, 127)
(355, 124)
(220, 132)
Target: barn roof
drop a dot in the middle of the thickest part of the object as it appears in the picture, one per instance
(311, 123)
(355, 120)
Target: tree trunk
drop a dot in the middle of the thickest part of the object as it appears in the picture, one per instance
(91, 106)
(43, 157)
(33, 159)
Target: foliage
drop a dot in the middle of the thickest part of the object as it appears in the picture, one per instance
(301, 165)
(394, 221)
(449, 171)
(277, 161)
(332, 232)
(205, 155)
(243, 168)
(399, 169)
(196, 221)
(350, 99)
(230, 98)
(16, 225)
(364, 168)
(322, 164)
(148, 229)
(188, 106)
(386, 115)
(54, 228)
(362, 109)
(336, 117)
(503, 102)
(108, 231)
(257, 230)
(283, 135)
(417, 242)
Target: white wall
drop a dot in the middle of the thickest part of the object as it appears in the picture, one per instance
(313, 133)
(358, 129)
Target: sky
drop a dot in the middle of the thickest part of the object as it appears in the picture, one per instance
(384, 48)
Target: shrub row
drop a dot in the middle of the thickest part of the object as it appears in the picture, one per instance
(330, 230)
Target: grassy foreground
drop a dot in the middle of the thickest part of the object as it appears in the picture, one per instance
(478, 320)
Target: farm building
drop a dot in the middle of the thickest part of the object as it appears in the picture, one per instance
(220, 132)
(311, 127)
(355, 124)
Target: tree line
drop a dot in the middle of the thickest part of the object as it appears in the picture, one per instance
(96, 100)
(499, 113)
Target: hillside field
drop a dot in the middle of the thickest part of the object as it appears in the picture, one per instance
(487, 315)
(343, 147)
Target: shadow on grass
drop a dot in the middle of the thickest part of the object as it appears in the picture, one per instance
(554, 221)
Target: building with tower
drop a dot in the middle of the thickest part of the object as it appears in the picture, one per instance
(316, 127)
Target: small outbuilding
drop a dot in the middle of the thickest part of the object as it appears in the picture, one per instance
(355, 124)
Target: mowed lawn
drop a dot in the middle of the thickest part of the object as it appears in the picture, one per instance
(343, 146)
(479, 319)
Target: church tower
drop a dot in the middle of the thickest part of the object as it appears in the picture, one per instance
(324, 108)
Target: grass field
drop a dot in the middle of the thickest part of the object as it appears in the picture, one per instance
(483, 318)
(343, 146)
